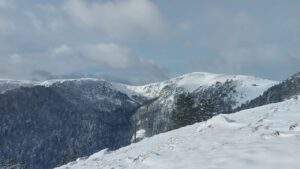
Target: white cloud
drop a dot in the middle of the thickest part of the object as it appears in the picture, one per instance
(117, 18)
(61, 50)
(15, 59)
(110, 54)
(238, 40)
(121, 57)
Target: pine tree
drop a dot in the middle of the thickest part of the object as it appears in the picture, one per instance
(183, 112)
(205, 109)
(188, 112)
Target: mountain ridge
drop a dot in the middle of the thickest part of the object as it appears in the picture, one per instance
(110, 111)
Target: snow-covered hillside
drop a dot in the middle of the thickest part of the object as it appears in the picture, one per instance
(157, 101)
(247, 87)
(266, 137)
(227, 92)
(42, 125)
(8, 84)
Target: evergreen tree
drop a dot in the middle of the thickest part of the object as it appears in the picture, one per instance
(183, 112)
(188, 112)
(205, 109)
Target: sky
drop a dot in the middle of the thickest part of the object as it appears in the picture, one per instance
(143, 41)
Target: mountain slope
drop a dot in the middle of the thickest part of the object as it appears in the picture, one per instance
(81, 111)
(265, 137)
(248, 87)
(277, 93)
(53, 123)
(7, 84)
(227, 91)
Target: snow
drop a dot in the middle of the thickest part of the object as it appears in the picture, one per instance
(248, 87)
(49, 83)
(9, 84)
(14, 81)
(17, 82)
(190, 82)
(266, 137)
(140, 134)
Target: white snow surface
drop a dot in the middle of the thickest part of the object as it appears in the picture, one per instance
(266, 137)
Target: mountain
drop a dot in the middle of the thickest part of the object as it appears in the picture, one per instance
(265, 137)
(7, 84)
(55, 122)
(227, 92)
(46, 124)
(277, 93)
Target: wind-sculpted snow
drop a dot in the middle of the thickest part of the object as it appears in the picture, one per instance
(265, 137)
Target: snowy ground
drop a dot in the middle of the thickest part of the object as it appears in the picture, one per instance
(266, 137)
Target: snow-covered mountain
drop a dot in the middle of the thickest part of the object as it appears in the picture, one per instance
(61, 120)
(228, 91)
(7, 84)
(277, 93)
(68, 118)
(265, 137)
(247, 87)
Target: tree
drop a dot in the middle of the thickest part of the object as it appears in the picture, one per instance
(187, 112)
(205, 109)
(182, 114)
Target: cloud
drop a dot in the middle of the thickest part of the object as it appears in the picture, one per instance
(240, 41)
(112, 37)
(41, 75)
(117, 18)
(109, 60)
(15, 59)
(257, 60)
(61, 50)
(122, 58)
(49, 39)
(110, 54)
